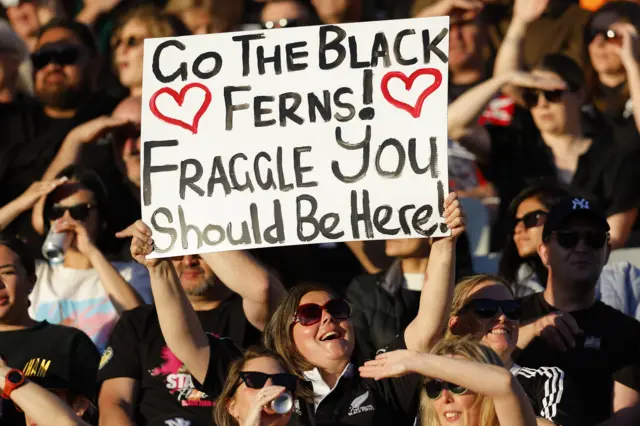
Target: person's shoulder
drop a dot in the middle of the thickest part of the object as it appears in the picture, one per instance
(63, 333)
(617, 319)
(530, 299)
(365, 283)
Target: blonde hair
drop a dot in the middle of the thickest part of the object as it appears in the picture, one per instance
(157, 22)
(221, 414)
(468, 349)
(465, 287)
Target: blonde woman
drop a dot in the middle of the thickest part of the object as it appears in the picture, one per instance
(465, 384)
(127, 42)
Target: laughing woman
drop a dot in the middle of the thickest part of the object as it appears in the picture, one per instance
(313, 332)
(465, 383)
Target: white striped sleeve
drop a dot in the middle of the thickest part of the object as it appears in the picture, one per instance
(553, 389)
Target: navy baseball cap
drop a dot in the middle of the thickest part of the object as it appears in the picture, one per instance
(573, 206)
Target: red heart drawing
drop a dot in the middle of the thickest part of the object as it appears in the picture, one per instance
(179, 98)
(415, 110)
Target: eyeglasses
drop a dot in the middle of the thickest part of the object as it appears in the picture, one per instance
(282, 23)
(609, 35)
(311, 313)
(488, 308)
(61, 55)
(531, 96)
(569, 239)
(532, 219)
(434, 389)
(78, 212)
(257, 380)
(131, 41)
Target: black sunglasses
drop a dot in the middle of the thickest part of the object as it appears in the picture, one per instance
(78, 212)
(609, 35)
(569, 239)
(434, 388)
(282, 23)
(532, 219)
(61, 55)
(531, 96)
(131, 41)
(257, 380)
(311, 313)
(489, 308)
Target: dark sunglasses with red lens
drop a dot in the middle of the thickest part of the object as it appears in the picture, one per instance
(593, 239)
(531, 96)
(61, 55)
(78, 212)
(257, 380)
(311, 313)
(489, 308)
(532, 219)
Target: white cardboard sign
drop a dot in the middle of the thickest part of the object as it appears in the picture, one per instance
(294, 136)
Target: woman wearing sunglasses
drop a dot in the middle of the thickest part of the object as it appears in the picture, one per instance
(464, 383)
(82, 289)
(255, 383)
(128, 38)
(484, 308)
(313, 332)
(612, 70)
(520, 264)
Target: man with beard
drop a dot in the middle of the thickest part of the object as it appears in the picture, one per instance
(66, 64)
(143, 382)
(597, 346)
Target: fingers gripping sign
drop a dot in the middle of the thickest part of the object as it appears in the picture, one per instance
(141, 243)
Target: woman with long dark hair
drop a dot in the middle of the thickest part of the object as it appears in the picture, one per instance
(520, 264)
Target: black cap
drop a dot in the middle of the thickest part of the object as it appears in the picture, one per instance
(569, 207)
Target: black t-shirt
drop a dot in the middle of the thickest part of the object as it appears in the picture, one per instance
(353, 401)
(519, 157)
(551, 394)
(137, 350)
(608, 351)
(53, 356)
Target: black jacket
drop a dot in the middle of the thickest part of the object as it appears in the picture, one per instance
(382, 308)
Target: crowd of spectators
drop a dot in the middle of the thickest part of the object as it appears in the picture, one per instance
(543, 125)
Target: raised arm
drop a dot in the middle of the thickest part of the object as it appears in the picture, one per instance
(10, 211)
(179, 323)
(437, 291)
(261, 291)
(511, 403)
(69, 153)
(445, 7)
(39, 405)
(464, 111)
(509, 57)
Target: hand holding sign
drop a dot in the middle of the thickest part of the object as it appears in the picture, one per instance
(295, 136)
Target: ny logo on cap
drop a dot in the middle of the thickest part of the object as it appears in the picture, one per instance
(580, 203)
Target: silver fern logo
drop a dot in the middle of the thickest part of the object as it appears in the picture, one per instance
(357, 407)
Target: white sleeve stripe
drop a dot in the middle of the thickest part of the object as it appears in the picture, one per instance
(553, 390)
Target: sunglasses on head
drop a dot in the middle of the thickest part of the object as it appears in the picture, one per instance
(532, 219)
(434, 388)
(78, 212)
(257, 380)
(311, 313)
(609, 35)
(281, 23)
(569, 239)
(131, 41)
(489, 308)
(61, 55)
(532, 96)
